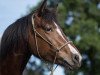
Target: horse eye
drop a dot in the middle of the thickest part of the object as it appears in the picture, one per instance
(48, 29)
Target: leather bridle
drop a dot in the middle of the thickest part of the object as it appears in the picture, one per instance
(36, 42)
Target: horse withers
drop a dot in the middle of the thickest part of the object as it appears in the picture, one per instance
(39, 34)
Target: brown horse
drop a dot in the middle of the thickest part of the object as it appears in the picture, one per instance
(39, 34)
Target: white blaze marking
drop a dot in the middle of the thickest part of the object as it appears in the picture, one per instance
(58, 30)
(72, 49)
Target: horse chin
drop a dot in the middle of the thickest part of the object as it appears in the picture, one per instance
(67, 66)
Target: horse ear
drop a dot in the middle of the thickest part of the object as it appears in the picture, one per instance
(43, 6)
(55, 8)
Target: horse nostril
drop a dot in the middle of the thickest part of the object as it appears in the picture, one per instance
(76, 58)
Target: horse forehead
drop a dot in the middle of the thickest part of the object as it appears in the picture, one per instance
(57, 27)
(59, 30)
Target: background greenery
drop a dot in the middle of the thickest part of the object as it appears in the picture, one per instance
(80, 21)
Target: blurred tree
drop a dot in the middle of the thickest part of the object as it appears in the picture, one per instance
(80, 20)
(35, 67)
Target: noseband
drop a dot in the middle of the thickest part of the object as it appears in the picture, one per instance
(57, 49)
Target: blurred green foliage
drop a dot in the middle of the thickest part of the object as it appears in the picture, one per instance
(84, 30)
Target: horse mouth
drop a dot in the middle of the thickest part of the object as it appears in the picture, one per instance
(67, 65)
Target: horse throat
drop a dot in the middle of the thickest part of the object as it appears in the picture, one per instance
(14, 63)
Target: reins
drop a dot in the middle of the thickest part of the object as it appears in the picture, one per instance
(36, 42)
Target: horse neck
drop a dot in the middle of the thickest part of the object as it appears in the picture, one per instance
(14, 63)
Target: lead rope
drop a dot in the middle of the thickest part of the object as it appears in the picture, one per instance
(35, 37)
(36, 42)
(53, 69)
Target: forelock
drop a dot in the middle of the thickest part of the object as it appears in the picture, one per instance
(49, 15)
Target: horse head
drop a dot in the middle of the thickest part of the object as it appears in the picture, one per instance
(50, 41)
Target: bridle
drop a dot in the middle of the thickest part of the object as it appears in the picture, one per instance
(57, 49)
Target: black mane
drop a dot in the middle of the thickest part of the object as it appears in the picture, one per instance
(49, 15)
(14, 35)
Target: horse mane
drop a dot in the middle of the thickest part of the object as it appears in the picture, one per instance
(16, 35)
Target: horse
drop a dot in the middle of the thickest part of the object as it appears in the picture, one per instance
(38, 34)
